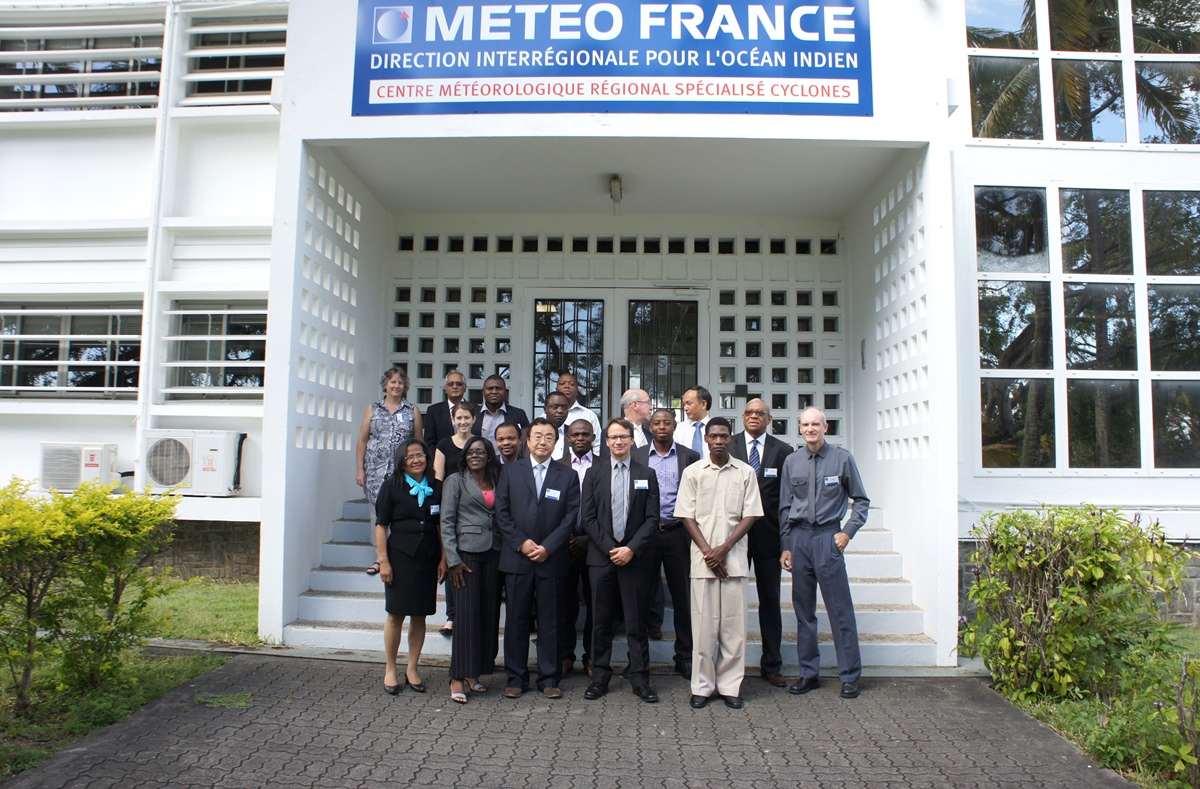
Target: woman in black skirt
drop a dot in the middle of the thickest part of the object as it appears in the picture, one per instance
(472, 546)
(409, 548)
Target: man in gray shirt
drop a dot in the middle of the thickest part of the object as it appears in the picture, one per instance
(818, 481)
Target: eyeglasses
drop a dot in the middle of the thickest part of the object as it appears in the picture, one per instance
(476, 453)
(622, 437)
(455, 383)
(413, 457)
(753, 412)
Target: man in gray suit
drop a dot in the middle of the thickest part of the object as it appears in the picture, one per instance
(620, 517)
(765, 454)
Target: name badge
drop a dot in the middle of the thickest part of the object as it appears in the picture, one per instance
(832, 481)
(770, 472)
(641, 484)
(553, 494)
(435, 509)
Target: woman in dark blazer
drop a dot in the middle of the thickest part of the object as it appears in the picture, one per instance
(472, 548)
(408, 546)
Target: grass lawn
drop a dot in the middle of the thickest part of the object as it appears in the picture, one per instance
(208, 610)
(202, 610)
(1124, 732)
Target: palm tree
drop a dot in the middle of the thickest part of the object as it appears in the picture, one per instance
(1085, 90)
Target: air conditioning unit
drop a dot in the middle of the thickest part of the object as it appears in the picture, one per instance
(193, 462)
(66, 466)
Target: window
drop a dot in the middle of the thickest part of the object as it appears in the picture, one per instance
(216, 351)
(1076, 53)
(234, 60)
(1067, 366)
(70, 351)
(96, 66)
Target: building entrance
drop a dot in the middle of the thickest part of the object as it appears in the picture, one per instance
(613, 339)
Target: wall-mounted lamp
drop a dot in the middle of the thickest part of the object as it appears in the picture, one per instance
(614, 189)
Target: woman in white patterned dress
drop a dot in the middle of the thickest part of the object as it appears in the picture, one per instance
(386, 425)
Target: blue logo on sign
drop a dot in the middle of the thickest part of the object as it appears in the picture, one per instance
(393, 25)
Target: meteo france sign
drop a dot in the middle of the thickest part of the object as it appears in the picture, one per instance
(790, 58)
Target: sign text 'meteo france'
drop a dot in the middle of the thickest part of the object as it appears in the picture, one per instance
(440, 57)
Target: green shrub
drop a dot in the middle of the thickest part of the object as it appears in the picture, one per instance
(35, 542)
(1065, 599)
(74, 579)
(101, 605)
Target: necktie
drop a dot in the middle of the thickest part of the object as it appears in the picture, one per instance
(698, 439)
(812, 490)
(618, 502)
(755, 460)
(540, 468)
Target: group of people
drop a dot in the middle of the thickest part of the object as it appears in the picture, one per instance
(532, 511)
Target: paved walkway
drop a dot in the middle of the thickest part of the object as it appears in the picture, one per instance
(325, 723)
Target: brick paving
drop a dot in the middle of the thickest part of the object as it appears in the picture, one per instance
(326, 723)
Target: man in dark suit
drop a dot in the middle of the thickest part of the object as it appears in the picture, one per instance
(670, 550)
(496, 410)
(765, 454)
(537, 505)
(438, 424)
(579, 459)
(620, 517)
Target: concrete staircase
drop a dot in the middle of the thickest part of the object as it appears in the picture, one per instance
(343, 607)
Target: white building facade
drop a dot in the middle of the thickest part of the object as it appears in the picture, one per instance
(208, 225)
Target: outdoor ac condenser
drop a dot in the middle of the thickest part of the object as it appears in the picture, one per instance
(66, 466)
(193, 462)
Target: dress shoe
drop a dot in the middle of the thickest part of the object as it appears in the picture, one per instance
(733, 702)
(775, 678)
(594, 691)
(699, 702)
(513, 693)
(418, 687)
(804, 685)
(552, 693)
(567, 665)
(646, 694)
(391, 690)
(655, 635)
(684, 668)
(849, 690)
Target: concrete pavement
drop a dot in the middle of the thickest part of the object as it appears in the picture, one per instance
(327, 723)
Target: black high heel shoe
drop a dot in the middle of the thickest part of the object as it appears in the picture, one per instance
(418, 687)
(391, 690)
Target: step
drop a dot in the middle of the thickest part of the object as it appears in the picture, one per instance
(345, 530)
(358, 510)
(877, 651)
(347, 554)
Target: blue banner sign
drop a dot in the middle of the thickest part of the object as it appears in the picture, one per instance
(446, 57)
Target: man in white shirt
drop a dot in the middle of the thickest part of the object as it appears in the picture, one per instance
(578, 458)
(697, 402)
(568, 384)
(635, 406)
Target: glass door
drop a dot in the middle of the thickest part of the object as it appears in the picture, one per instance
(613, 339)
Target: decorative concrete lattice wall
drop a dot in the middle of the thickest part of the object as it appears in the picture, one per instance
(1183, 607)
(902, 418)
(328, 322)
(226, 551)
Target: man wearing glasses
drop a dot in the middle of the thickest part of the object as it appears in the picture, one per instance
(620, 517)
(438, 424)
(635, 406)
(537, 505)
(765, 454)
